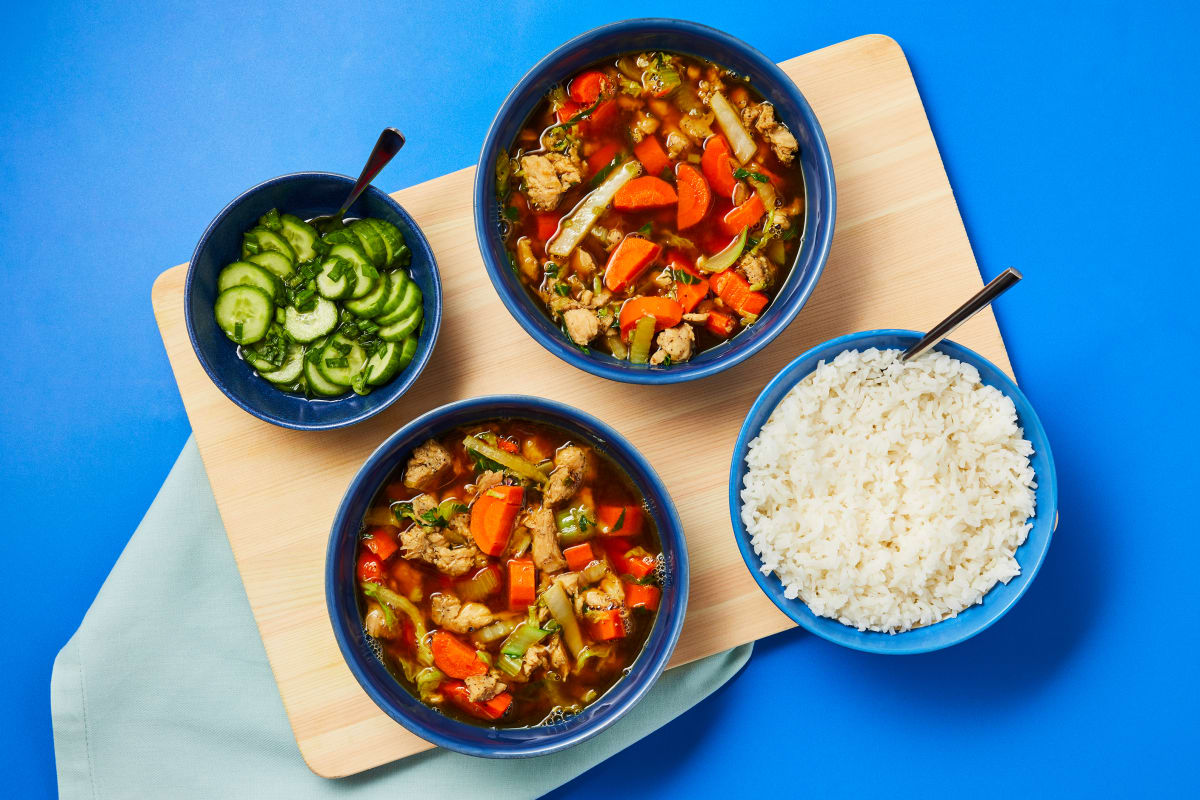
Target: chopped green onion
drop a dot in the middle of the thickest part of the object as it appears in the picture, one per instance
(645, 229)
(511, 213)
(337, 362)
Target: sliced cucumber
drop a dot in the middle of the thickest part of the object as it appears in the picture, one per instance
(410, 301)
(305, 326)
(339, 287)
(259, 239)
(244, 273)
(286, 373)
(372, 242)
(407, 350)
(384, 365)
(340, 359)
(397, 280)
(317, 383)
(245, 313)
(392, 238)
(370, 305)
(274, 262)
(397, 331)
(303, 237)
(366, 277)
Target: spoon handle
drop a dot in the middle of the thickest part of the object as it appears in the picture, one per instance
(999, 285)
(389, 143)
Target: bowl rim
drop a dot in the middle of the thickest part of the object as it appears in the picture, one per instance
(1044, 519)
(670, 534)
(513, 296)
(433, 321)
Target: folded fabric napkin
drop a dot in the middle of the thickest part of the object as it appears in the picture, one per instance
(165, 690)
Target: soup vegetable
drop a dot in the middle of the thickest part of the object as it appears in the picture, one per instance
(509, 572)
(321, 315)
(652, 206)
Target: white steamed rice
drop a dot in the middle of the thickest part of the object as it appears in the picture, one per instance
(888, 495)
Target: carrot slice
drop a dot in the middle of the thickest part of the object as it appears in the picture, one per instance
(453, 657)
(694, 196)
(381, 541)
(644, 192)
(746, 215)
(522, 584)
(650, 152)
(718, 166)
(489, 709)
(734, 290)
(719, 324)
(566, 111)
(579, 556)
(619, 520)
(492, 517)
(605, 625)
(587, 87)
(546, 223)
(689, 294)
(602, 156)
(666, 313)
(638, 595)
(602, 119)
(628, 261)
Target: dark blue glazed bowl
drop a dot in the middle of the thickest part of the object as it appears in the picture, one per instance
(682, 37)
(393, 698)
(305, 194)
(969, 622)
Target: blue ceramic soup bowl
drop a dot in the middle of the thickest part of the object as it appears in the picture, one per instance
(305, 194)
(791, 108)
(969, 622)
(391, 696)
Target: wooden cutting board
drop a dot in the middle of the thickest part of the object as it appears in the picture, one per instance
(900, 259)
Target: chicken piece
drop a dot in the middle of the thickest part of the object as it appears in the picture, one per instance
(597, 600)
(557, 655)
(488, 480)
(761, 117)
(375, 623)
(481, 688)
(608, 237)
(427, 467)
(526, 260)
(550, 656)
(582, 325)
(676, 144)
(674, 343)
(544, 545)
(449, 613)
(582, 263)
(701, 317)
(569, 463)
(548, 177)
(431, 544)
(757, 270)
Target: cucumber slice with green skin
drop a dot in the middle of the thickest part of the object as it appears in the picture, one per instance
(410, 301)
(372, 242)
(274, 262)
(392, 238)
(286, 373)
(370, 305)
(305, 326)
(397, 280)
(245, 313)
(339, 287)
(245, 273)
(366, 277)
(398, 331)
(256, 240)
(338, 367)
(303, 237)
(318, 384)
(407, 350)
(384, 365)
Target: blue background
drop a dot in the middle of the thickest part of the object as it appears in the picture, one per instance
(1069, 133)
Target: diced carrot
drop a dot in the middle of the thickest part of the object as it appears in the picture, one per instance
(453, 657)
(587, 87)
(370, 568)
(746, 215)
(666, 313)
(719, 324)
(522, 584)
(735, 291)
(694, 196)
(602, 156)
(629, 560)
(566, 111)
(492, 517)
(628, 261)
(604, 626)
(639, 566)
(619, 520)
(718, 166)
(643, 193)
(639, 595)
(489, 709)
(650, 152)
(579, 556)
(545, 224)
(602, 119)
(689, 295)
(381, 540)
(507, 445)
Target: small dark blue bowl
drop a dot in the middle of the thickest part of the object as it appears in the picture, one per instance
(970, 621)
(393, 698)
(305, 194)
(704, 42)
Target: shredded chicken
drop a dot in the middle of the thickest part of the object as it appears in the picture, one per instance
(582, 325)
(676, 144)
(674, 343)
(481, 688)
(375, 623)
(544, 545)
(583, 263)
(548, 177)
(761, 116)
(431, 544)
(569, 463)
(450, 613)
(427, 467)
(488, 480)
(756, 269)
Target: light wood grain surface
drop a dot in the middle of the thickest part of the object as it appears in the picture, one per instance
(900, 259)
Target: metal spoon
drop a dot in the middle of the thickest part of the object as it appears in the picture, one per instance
(389, 143)
(999, 285)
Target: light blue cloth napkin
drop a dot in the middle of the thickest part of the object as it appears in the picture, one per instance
(165, 691)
